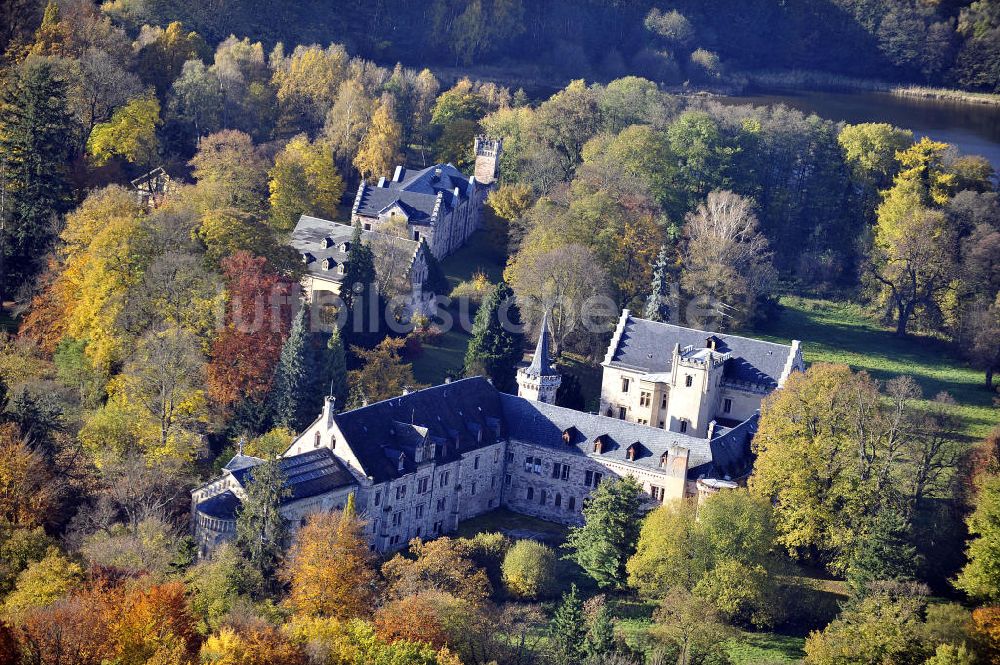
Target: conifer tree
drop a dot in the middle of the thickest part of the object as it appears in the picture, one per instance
(883, 551)
(600, 634)
(260, 528)
(568, 630)
(658, 303)
(35, 130)
(497, 341)
(609, 534)
(293, 385)
(359, 287)
(335, 368)
(436, 282)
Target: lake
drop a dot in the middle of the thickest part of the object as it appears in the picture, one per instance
(972, 128)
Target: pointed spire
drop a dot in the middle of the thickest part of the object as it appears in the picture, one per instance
(540, 362)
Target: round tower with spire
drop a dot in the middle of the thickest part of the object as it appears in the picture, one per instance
(539, 381)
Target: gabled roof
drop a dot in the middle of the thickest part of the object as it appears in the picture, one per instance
(457, 417)
(310, 238)
(417, 190)
(647, 346)
(221, 506)
(308, 474)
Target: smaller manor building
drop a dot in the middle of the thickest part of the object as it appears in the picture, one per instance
(439, 204)
(690, 381)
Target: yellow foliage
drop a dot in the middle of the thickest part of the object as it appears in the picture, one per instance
(304, 180)
(44, 582)
(131, 133)
(379, 149)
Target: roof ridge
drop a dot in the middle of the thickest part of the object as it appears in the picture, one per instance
(720, 335)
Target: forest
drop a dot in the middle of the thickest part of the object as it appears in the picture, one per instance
(868, 532)
(941, 42)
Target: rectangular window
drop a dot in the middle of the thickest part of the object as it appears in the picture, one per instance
(642, 421)
(538, 466)
(510, 456)
(475, 462)
(496, 456)
(663, 425)
(621, 413)
(555, 469)
(493, 482)
(688, 380)
(625, 382)
(656, 492)
(572, 503)
(597, 478)
(588, 478)
(544, 497)
(444, 478)
(684, 426)
(397, 518)
(506, 479)
(400, 492)
(645, 398)
(440, 506)
(564, 473)
(418, 512)
(727, 405)
(378, 498)
(422, 485)
(473, 488)
(663, 402)
(437, 527)
(531, 493)
(527, 463)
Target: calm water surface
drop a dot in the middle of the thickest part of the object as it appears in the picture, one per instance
(973, 128)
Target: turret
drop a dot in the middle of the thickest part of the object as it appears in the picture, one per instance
(488, 160)
(539, 381)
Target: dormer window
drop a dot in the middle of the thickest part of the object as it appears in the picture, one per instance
(329, 263)
(327, 242)
(631, 452)
(599, 445)
(340, 268)
(402, 462)
(345, 246)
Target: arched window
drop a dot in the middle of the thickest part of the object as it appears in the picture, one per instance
(572, 503)
(558, 500)
(543, 498)
(316, 440)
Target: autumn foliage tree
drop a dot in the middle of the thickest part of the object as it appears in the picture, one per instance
(257, 318)
(330, 568)
(436, 565)
(26, 492)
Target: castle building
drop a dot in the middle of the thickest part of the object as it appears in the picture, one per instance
(539, 381)
(421, 463)
(438, 204)
(690, 381)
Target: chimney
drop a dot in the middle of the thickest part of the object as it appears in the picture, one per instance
(711, 430)
(398, 175)
(329, 409)
(381, 181)
(447, 379)
(437, 174)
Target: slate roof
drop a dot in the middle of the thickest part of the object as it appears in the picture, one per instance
(543, 424)
(308, 474)
(309, 238)
(647, 346)
(540, 362)
(457, 417)
(416, 191)
(221, 506)
(456, 413)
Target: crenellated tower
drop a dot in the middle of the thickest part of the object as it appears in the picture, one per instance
(488, 160)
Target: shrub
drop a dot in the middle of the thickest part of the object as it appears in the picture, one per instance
(529, 570)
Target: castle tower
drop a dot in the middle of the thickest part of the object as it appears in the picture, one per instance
(488, 160)
(539, 381)
(696, 373)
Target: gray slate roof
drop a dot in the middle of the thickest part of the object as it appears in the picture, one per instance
(221, 506)
(308, 474)
(544, 424)
(451, 415)
(416, 191)
(648, 346)
(455, 413)
(540, 362)
(309, 238)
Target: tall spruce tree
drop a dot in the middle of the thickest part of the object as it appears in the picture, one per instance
(35, 130)
(293, 398)
(600, 635)
(609, 534)
(497, 344)
(359, 289)
(260, 529)
(883, 551)
(568, 630)
(658, 303)
(335, 369)
(436, 282)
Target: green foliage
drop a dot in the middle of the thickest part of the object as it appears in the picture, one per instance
(214, 586)
(295, 388)
(436, 281)
(568, 630)
(884, 551)
(260, 529)
(43, 582)
(658, 301)
(497, 344)
(34, 127)
(981, 576)
(529, 570)
(335, 368)
(130, 134)
(603, 545)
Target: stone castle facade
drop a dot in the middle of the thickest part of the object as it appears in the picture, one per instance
(421, 463)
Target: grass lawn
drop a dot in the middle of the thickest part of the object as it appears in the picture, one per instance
(843, 332)
(479, 255)
(514, 525)
(446, 355)
(761, 648)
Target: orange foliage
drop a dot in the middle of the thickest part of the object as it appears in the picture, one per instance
(72, 631)
(25, 482)
(153, 623)
(987, 628)
(331, 569)
(251, 645)
(414, 618)
(45, 322)
(9, 653)
(257, 320)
